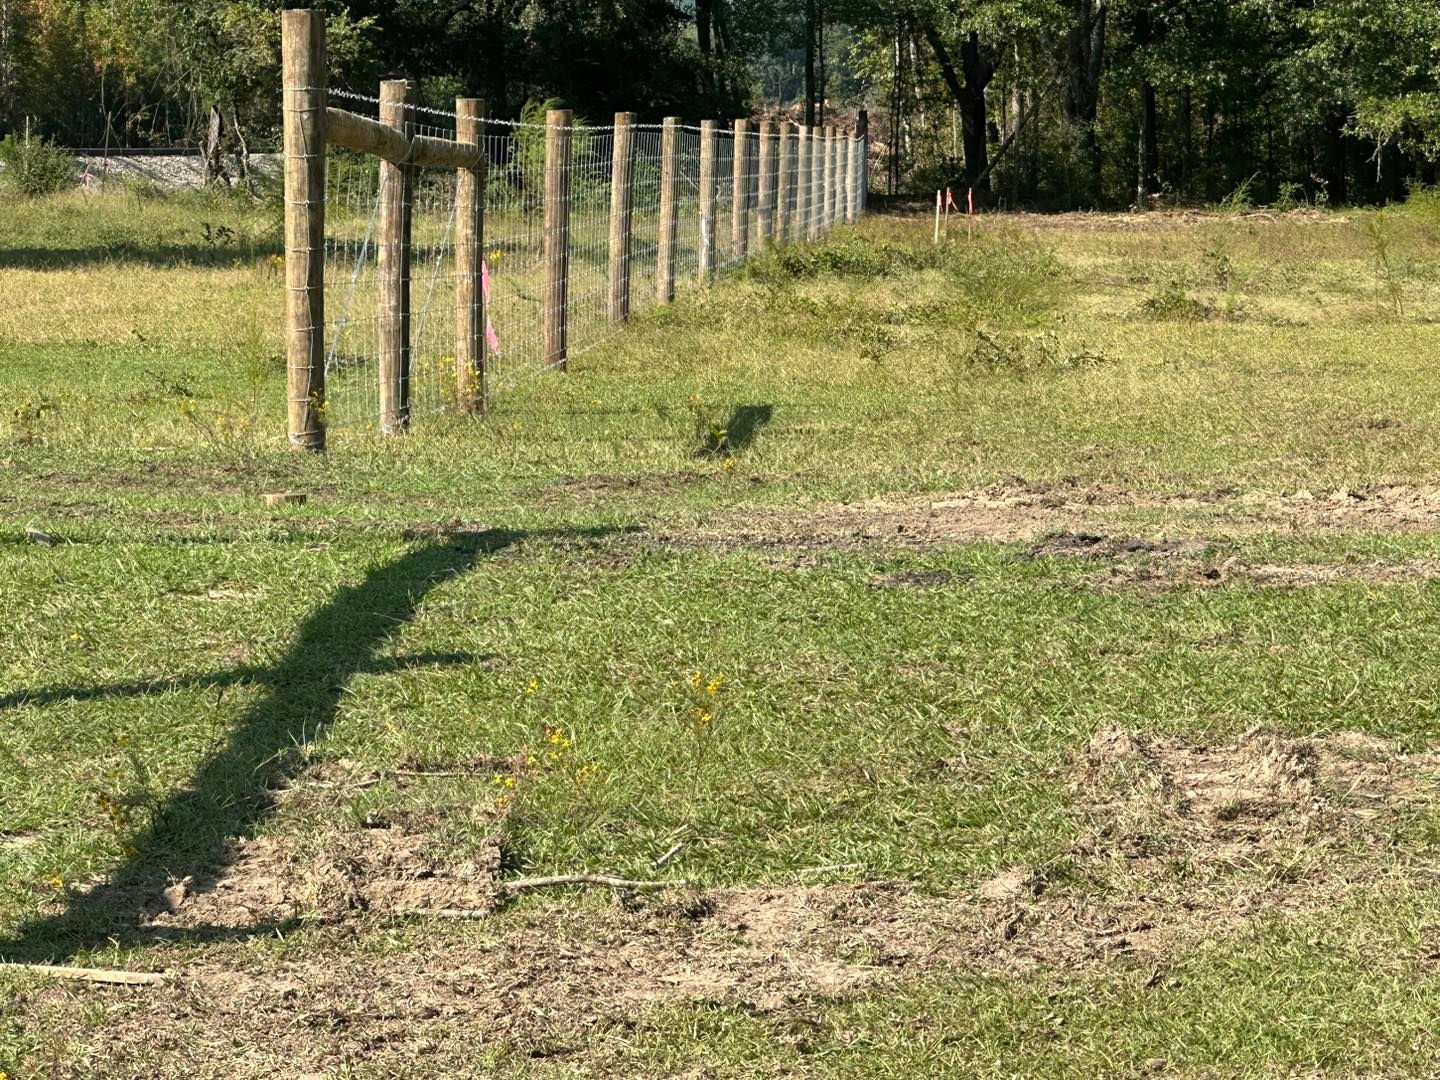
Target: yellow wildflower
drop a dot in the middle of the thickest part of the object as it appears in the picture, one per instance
(697, 680)
(56, 882)
(534, 685)
(729, 465)
(713, 686)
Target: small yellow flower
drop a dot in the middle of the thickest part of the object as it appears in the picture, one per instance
(56, 882)
(703, 716)
(502, 801)
(534, 685)
(75, 636)
(729, 464)
(586, 773)
(713, 686)
(697, 680)
(496, 256)
(531, 761)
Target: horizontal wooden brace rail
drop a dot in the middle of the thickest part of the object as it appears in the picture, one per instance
(355, 132)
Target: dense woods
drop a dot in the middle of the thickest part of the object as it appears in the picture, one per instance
(1049, 103)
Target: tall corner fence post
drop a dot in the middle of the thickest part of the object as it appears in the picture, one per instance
(740, 200)
(557, 236)
(766, 181)
(862, 135)
(622, 214)
(785, 184)
(669, 205)
(305, 98)
(706, 255)
(802, 182)
(470, 359)
(393, 262)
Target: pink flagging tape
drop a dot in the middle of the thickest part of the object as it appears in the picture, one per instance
(492, 339)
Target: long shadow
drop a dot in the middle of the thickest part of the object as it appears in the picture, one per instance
(231, 793)
(163, 256)
(744, 424)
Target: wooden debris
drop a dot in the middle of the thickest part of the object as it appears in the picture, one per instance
(285, 498)
(94, 975)
(39, 536)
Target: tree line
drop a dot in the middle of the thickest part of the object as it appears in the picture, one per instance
(1048, 103)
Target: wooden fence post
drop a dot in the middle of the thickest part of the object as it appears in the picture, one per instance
(862, 135)
(785, 187)
(469, 256)
(802, 181)
(766, 139)
(669, 197)
(622, 214)
(557, 236)
(305, 100)
(817, 178)
(847, 168)
(740, 205)
(707, 200)
(396, 191)
(827, 177)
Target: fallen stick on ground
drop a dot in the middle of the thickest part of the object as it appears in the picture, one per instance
(95, 975)
(525, 884)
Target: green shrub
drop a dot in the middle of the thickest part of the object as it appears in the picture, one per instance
(30, 166)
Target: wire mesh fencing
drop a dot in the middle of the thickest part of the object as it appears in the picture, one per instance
(582, 226)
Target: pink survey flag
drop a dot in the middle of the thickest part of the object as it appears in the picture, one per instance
(492, 339)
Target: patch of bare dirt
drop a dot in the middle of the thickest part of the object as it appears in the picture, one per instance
(1151, 800)
(1193, 573)
(267, 881)
(1071, 518)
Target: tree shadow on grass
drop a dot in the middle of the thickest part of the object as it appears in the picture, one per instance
(744, 424)
(231, 793)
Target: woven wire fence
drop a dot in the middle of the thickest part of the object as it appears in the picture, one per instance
(514, 264)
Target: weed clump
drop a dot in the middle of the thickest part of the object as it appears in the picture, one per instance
(34, 167)
(1171, 301)
(1028, 353)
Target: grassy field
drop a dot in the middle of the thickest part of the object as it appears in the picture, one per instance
(1016, 656)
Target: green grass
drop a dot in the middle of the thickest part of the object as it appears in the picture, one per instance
(549, 580)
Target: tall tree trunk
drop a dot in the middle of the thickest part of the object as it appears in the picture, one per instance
(214, 159)
(1082, 96)
(978, 66)
(820, 50)
(704, 36)
(1335, 170)
(810, 63)
(1187, 142)
(1148, 178)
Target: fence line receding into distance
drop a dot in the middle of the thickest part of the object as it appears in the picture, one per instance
(435, 258)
